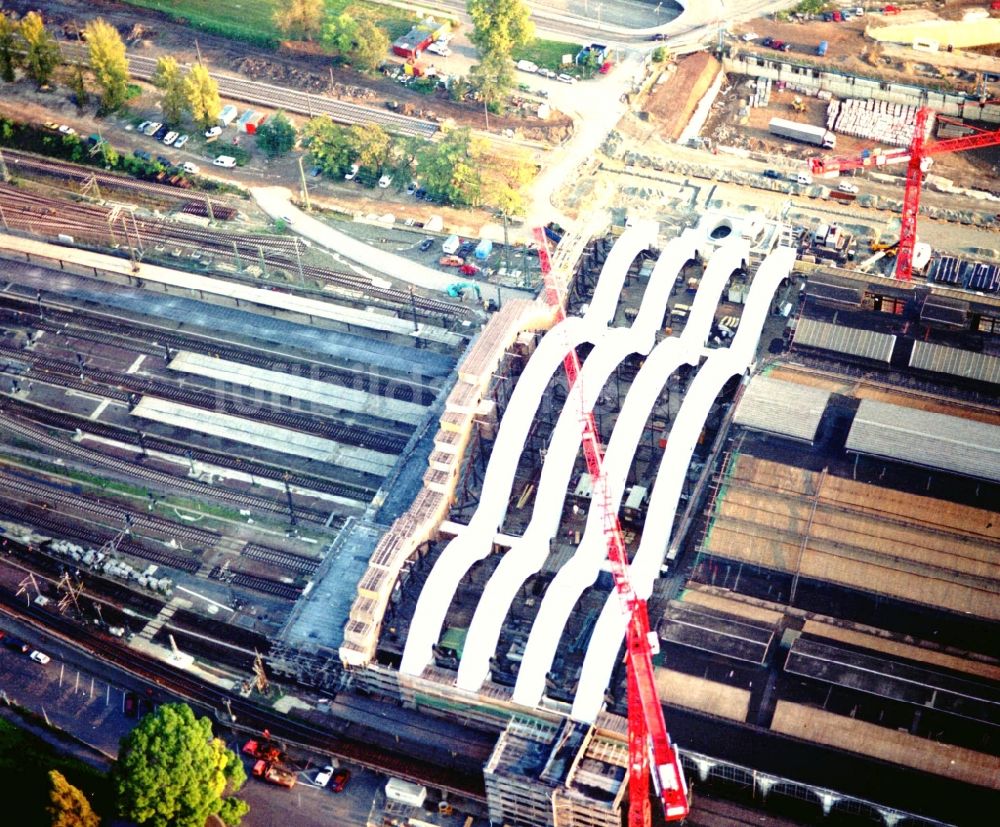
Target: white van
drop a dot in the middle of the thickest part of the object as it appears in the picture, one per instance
(225, 161)
(451, 245)
(803, 178)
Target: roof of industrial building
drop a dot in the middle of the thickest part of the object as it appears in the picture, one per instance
(834, 293)
(945, 310)
(931, 440)
(888, 678)
(868, 344)
(780, 407)
(964, 363)
(715, 632)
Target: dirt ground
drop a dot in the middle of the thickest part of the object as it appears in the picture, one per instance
(852, 52)
(965, 169)
(673, 102)
(289, 67)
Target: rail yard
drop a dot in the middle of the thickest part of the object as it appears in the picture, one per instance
(676, 460)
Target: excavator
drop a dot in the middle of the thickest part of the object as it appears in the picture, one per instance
(457, 289)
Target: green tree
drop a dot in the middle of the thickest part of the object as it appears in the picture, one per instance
(168, 78)
(108, 63)
(330, 145)
(300, 19)
(502, 177)
(448, 168)
(493, 78)
(68, 807)
(356, 38)
(202, 96)
(42, 54)
(276, 136)
(500, 26)
(9, 56)
(373, 145)
(172, 772)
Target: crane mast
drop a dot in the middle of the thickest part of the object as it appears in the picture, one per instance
(650, 749)
(916, 159)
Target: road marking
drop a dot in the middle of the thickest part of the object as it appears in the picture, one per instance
(206, 599)
(135, 365)
(100, 409)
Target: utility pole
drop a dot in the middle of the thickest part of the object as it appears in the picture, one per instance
(305, 188)
(298, 260)
(413, 304)
(197, 49)
(288, 494)
(4, 174)
(236, 256)
(208, 209)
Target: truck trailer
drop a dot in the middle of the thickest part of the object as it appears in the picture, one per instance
(807, 133)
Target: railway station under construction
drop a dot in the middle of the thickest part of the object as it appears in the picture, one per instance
(807, 499)
(817, 537)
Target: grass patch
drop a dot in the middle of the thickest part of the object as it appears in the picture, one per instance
(251, 21)
(547, 53)
(25, 761)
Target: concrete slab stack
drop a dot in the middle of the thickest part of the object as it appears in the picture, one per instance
(882, 121)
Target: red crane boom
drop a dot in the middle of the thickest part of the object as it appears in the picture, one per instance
(915, 167)
(649, 744)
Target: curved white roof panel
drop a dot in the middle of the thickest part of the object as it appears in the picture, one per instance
(581, 571)
(476, 541)
(722, 364)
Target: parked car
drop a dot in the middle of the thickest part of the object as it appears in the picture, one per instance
(163, 159)
(225, 161)
(187, 166)
(426, 244)
(748, 37)
(323, 776)
(659, 36)
(161, 133)
(564, 78)
(771, 173)
(142, 155)
(439, 49)
(411, 188)
(213, 132)
(451, 261)
(181, 140)
(385, 182)
(777, 44)
(340, 779)
(315, 172)
(846, 186)
(890, 10)
(151, 128)
(420, 194)
(142, 127)
(67, 130)
(39, 657)
(170, 137)
(352, 173)
(767, 41)
(468, 269)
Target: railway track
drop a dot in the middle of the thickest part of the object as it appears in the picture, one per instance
(134, 471)
(280, 559)
(11, 481)
(277, 97)
(68, 422)
(97, 224)
(26, 162)
(89, 324)
(264, 585)
(50, 523)
(122, 386)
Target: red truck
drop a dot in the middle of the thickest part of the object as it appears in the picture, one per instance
(273, 774)
(263, 751)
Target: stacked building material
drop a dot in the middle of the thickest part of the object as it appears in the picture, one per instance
(887, 123)
(762, 93)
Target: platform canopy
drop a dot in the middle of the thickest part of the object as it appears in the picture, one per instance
(931, 440)
(779, 407)
(868, 344)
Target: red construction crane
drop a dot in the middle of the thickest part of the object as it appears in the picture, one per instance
(914, 157)
(649, 747)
